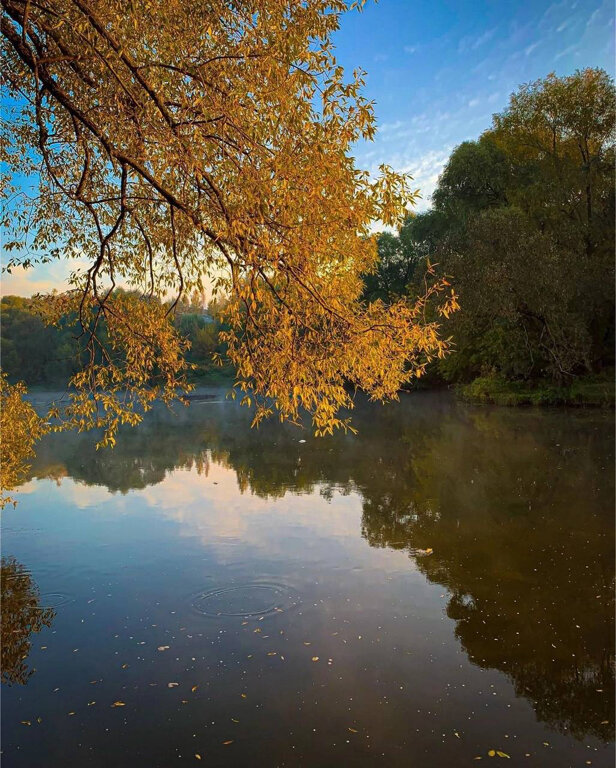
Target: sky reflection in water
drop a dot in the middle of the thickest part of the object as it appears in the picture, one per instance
(291, 584)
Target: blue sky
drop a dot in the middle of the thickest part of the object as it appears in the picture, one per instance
(437, 72)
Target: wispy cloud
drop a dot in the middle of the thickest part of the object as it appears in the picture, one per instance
(472, 43)
(567, 51)
(40, 278)
(593, 17)
(529, 49)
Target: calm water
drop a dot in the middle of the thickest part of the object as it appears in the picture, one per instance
(435, 588)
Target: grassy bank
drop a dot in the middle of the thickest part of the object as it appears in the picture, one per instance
(590, 391)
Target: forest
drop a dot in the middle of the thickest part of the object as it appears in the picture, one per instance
(521, 225)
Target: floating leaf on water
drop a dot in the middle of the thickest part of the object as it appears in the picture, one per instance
(272, 653)
(163, 648)
(429, 551)
(234, 720)
(226, 743)
(124, 666)
(307, 643)
(352, 730)
(243, 695)
(198, 756)
(118, 704)
(502, 754)
(172, 685)
(194, 688)
(315, 658)
(26, 722)
(492, 753)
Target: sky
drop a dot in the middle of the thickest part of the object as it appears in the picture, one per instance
(437, 71)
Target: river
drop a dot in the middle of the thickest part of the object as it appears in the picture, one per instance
(436, 589)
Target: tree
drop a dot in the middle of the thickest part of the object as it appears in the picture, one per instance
(172, 140)
(523, 220)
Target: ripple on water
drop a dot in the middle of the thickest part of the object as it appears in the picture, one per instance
(245, 600)
(56, 599)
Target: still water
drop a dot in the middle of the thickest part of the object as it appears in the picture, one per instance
(438, 588)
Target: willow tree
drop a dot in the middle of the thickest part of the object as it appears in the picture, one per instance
(174, 142)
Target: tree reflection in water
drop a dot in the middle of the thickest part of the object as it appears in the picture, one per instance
(22, 615)
(516, 506)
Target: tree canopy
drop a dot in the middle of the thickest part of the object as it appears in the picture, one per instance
(523, 221)
(172, 141)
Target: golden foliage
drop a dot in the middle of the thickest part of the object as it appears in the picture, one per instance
(178, 140)
(20, 428)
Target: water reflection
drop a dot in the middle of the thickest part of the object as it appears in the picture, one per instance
(515, 506)
(22, 615)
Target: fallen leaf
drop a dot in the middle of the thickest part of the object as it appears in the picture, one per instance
(226, 743)
(194, 688)
(429, 551)
(492, 753)
(502, 754)
(172, 685)
(198, 756)
(163, 648)
(315, 658)
(26, 722)
(352, 730)
(118, 704)
(243, 695)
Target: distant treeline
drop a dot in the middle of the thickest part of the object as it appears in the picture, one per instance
(523, 222)
(48, 356)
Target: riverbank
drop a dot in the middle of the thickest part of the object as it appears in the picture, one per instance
(595, 391)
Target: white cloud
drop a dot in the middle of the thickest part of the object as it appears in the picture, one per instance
(40, 278)
(472, 43)
(566, 51)
(529, 49)
(592, 18)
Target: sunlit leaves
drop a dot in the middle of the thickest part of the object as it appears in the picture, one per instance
(20, 428)
(177, 141)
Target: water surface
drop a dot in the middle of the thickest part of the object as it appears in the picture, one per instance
(437, 587)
